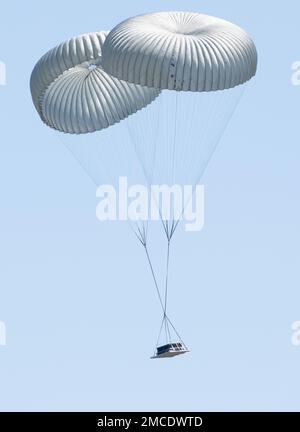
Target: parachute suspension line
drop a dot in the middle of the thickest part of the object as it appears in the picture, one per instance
(141, 235)
(176, 332)
(167, 278)
(138, 133)
(153, 275)
(170, 226)
(158, 338)
(165, 320)
(174, 138)
(213, 116)
(167, 330)
(141, 232)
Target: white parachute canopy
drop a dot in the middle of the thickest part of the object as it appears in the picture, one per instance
(180, 51)
(73, 94)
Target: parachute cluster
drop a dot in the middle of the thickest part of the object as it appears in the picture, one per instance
(95, 80)
(175, 77)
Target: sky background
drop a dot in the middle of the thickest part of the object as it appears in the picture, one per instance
(76, 295)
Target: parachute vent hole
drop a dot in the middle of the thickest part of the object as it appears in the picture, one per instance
(92, 67)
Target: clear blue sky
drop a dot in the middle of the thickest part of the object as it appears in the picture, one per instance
(76, 296)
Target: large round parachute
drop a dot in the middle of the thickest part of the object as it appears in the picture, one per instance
(73, 94)
(180, 51)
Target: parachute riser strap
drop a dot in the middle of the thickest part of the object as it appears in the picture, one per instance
(167, 278)
(141, 234)
(153, 276)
